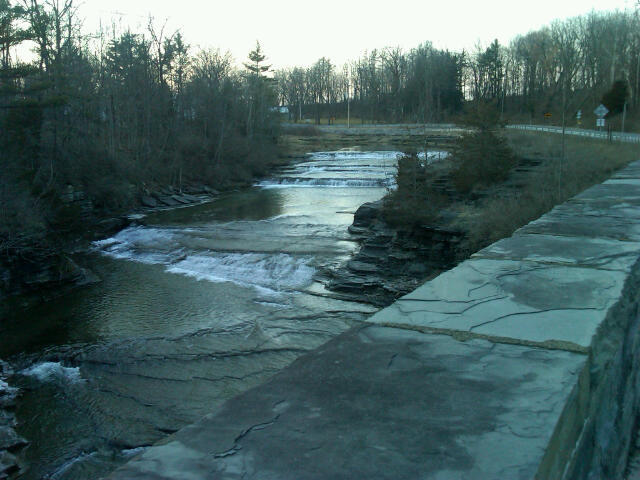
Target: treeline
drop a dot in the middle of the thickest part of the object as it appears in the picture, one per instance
(567, 66)
(422, 85)
(116, 115)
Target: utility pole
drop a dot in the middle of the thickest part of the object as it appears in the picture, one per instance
(637, 79)
(564, 128)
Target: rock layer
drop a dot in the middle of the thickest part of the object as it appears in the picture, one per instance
(10, 441)
(392, 262)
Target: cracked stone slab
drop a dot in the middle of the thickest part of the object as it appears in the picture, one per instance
(523, 302)
(381, 403)
(601, 253)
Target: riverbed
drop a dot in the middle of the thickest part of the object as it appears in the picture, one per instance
(196, 305)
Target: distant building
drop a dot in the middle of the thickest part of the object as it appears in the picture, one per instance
(281, 110)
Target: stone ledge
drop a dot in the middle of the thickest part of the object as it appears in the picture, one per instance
(382, 403)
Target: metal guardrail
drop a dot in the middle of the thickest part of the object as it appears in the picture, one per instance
(616, 136)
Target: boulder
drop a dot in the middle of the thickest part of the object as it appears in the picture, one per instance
(367, 213)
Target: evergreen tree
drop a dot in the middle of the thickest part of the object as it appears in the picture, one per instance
(260, 92)
(616, 97)
(257, 57)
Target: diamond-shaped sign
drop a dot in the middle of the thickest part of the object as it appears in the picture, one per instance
(601, 111)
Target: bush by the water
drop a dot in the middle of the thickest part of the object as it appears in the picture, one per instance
(480, 159)
(415, 201)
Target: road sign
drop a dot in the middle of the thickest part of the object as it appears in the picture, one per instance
(600, 122)
(579, 114)
(601, 111)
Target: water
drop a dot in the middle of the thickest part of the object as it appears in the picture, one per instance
(196, 305)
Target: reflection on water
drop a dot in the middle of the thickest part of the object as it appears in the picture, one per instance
(196, 305)
(255, 204)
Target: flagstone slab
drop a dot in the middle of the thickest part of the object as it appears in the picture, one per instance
(526, 302)
(601, 253)
(382, 403)
(566, 222)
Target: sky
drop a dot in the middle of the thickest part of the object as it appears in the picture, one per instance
(299, 32)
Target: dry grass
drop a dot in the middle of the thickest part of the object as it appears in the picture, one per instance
(586, 162)
(301, 130)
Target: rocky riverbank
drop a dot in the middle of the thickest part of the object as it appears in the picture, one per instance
(392, 262)
(10, 441)
(49, 270)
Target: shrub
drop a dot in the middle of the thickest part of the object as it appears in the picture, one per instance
(415, 201)
(587, 162)
(480, 159)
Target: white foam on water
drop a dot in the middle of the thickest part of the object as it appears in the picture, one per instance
(269, 274)
(132, 452)
(286, 182)
(153, 246)
(126, 242)
(350, 155)
(70, 463)
(53, 371)
(284, 216)
(374, 169)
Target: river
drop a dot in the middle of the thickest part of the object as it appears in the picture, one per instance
(195, 306)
